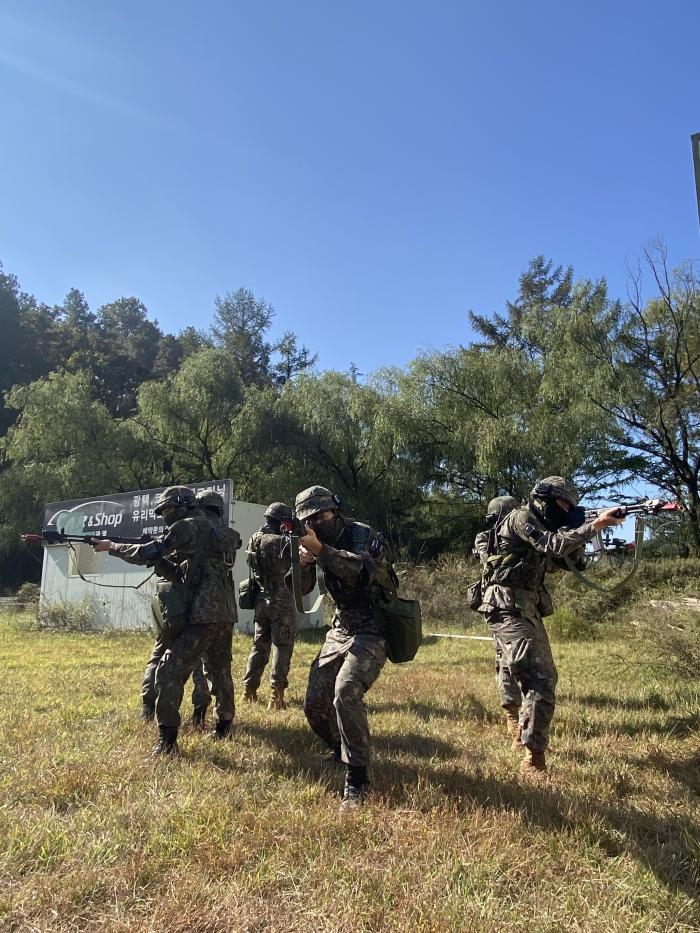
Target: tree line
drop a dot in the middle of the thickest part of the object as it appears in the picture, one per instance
(567, 379)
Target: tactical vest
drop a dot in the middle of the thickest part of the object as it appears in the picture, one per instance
(512, 562)
(359, 539)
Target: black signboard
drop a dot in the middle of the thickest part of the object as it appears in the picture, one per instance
(124, 514)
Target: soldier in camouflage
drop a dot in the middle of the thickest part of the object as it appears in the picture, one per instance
(197, 605)
(530, 541)
(484, 544)
(275, 616)
(357, 571)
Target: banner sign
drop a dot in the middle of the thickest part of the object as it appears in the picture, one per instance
(126, 514)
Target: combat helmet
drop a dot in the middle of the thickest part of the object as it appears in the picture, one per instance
(499, 507)
(279, 512)
(555, 487)
(179, 497)
(212, 500)
(313, 500)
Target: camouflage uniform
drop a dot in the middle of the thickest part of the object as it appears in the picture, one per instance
(514, 602)
(208, 612)
(201, 694)
(275, 616)
(354, 651)
(508, 689)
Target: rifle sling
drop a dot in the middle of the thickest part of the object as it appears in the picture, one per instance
(636, 561)
(296, 580)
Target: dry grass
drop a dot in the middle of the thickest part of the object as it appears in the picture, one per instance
(244, 836)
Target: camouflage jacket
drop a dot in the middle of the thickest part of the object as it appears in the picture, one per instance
(513, 576)
(269, 560)
(358, 576)
(194, 544)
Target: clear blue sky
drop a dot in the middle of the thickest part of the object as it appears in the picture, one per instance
(374, 170)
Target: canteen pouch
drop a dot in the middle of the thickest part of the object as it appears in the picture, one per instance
(248, 591)
(475, 595)
(170, 611)
(402, 627)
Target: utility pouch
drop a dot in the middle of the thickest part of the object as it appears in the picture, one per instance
(248, 592)
(402, 626)
(475, 595)
(170, 611)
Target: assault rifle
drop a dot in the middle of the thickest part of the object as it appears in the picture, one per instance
(642, 507)
(292, 529)
(48, 536)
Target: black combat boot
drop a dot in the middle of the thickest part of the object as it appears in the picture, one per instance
(147, 712)
(199, 716)
(167, 745)
(355, 790)
(222, 730)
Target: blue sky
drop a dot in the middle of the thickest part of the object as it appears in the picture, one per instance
(372, 170)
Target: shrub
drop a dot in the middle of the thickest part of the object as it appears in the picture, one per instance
(28, 594)
(671, 631)
(69, 617)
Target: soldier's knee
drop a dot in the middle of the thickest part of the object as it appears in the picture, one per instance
(347, 693)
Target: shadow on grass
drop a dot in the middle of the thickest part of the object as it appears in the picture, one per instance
(604, 701)
(668, 847)
(685, 771)
(471, 709)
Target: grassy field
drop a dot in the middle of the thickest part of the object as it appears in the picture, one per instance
(244, 836)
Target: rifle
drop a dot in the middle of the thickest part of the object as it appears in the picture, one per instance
(639, 509)
(293, 529)
(48, 536)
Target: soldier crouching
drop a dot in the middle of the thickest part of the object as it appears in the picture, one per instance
(356, 571)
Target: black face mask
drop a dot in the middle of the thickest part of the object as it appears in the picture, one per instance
(575, 517)
(329, 531)
(271, 526)
(554, 516)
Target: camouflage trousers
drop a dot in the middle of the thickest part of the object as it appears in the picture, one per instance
(343, 671)
(525, 652)
(212, 643)
(201, 694)
(508, 688)
(275, 624)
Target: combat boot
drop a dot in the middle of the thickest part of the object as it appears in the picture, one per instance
(533, 764)
(147, 713)
(199, 716)
(250, 694)
(222, 730)
(277, 699)
(354, 792)
(513, 725)
(167, 745)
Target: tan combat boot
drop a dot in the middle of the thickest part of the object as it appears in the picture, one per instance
(513, 725)
(250, 695)
(277, 699)
(533, 764)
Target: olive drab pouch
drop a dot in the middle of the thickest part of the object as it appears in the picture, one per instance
(248, 592)
(403, 628)
(475, 595)
(170, 611)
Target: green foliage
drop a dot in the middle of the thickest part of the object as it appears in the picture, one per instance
(567, 625)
